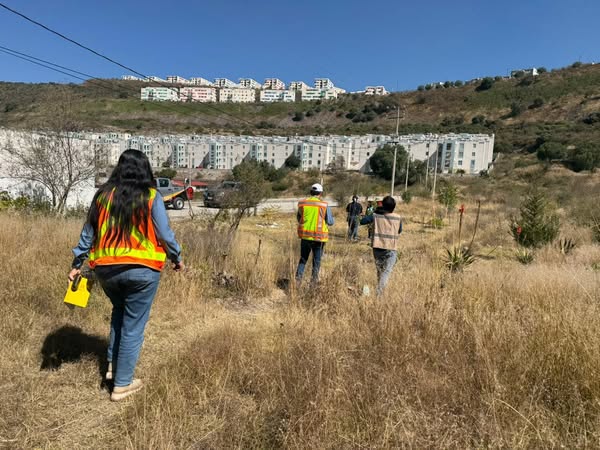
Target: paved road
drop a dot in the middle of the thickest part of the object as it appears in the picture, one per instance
(284, 205)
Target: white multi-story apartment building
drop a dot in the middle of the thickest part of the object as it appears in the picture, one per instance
(323, 83)
(199, 81)
(225, 82)
(276, 95)
(237, 95)
(318, 94)
(198, 94)
(298, 86)
(177, 79)
(375, 90)
(249, 83)
(161, 94)
(154, 78)
(450, 153)
(274, 84)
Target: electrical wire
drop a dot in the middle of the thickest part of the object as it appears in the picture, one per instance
(35, 22)
(91, 79)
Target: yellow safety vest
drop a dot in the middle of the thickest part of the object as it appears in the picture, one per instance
(312, 225)
(144, 250)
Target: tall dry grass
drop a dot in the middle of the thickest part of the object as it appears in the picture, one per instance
(502, 355)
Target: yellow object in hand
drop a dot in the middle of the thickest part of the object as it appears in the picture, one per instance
(78, 293)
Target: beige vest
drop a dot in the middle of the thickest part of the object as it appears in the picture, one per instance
(385, 231)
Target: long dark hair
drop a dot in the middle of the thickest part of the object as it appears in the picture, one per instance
(128, 190)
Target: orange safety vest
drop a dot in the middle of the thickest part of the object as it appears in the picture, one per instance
(312, 225)
(144, 250)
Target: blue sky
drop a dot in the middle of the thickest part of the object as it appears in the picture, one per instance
(397, 43)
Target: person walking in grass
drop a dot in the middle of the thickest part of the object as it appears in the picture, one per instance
(369, 212)
(387, 227)
(354, 210)
(314, 219)
(128, 240)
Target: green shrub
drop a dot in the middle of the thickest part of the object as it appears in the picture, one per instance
(551, 150)
(537, 224)
(406, 197)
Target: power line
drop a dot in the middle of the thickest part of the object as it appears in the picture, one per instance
(35, 22)
(92, 80)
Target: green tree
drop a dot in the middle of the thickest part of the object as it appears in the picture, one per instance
(448, 195)
(292, 162)
(421, 88)
(537, 224)
(586, 157)
(542, 70)
(537, 103)
(549, 151)
(166, 173)
(485, 84)
(382, 162)
(458, 83)
(298, 116)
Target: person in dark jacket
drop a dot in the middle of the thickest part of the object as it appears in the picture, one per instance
(354, 210)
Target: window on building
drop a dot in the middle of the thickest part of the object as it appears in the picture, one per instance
(318, 163)
(448, 146)
(473, 154)
(460, 162)
(461, 146)
(368, 153)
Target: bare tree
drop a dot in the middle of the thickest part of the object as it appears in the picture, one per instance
(54, 156)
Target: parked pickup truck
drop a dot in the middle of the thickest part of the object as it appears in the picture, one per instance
(174, 195)
(219, 196)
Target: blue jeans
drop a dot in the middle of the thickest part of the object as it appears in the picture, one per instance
(384, 262)
(131, 290)
(353, 223)
(306, 247)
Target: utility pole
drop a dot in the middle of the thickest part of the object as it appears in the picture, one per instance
(434, 174)
(427, 171)
(407, 168)
(395, 152)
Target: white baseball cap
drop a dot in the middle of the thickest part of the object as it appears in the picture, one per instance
(316, 187)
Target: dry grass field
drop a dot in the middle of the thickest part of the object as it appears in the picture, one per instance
(503, 355)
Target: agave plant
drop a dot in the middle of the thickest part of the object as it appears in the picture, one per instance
(458, 258)
(525, 256)
(566, 245)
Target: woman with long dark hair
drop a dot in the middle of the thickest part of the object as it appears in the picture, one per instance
(128, 240)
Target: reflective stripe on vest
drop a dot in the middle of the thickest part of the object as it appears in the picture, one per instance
(385, 231)
(313, 220)
(143, 250)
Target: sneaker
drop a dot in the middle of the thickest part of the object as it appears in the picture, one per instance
(121, 392)
(109, 372)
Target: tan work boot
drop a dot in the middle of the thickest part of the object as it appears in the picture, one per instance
(121, 392)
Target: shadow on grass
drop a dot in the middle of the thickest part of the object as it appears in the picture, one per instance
(71, 344)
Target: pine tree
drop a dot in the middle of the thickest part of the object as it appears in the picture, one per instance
(538, 225)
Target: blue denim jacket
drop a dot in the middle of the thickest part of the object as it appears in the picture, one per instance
(164, 234)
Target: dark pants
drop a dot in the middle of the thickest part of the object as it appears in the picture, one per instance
(353, 227)
(384, 263)
(306, 247)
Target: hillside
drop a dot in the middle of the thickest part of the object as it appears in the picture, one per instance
(562, 104)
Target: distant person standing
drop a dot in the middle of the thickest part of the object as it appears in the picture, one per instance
(314, 219)
(354, 210)
(369, 212)
(387, 227)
